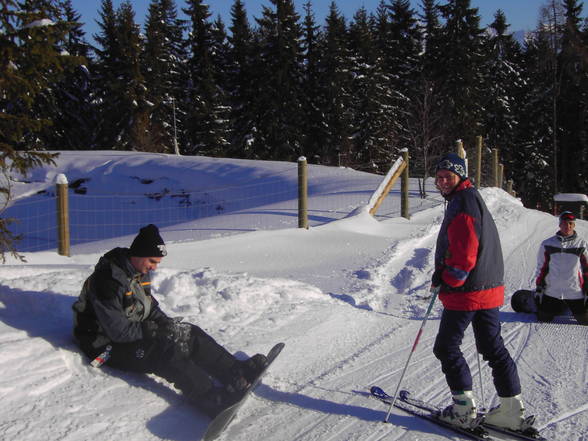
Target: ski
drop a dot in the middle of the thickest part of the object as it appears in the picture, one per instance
(530, 434)
(428, 413)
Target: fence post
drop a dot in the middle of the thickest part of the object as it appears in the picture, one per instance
(404, 208)
(302, 193)
(479, 143)
(462, 154)
(500, 175)
(459, 149)
(386, 185)
(509, 184)
(495, 167)
(62, 216)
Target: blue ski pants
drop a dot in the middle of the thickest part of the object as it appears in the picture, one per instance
(489, 343)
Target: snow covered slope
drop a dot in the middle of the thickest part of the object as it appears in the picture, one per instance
(347, 297)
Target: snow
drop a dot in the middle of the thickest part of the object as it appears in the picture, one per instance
(347, 296)
(39, 23)
(570, 197)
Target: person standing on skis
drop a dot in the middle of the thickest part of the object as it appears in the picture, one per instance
(562, 273)
(118, 321)
(469, 272)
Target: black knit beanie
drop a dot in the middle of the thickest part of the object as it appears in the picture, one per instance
(148, 243)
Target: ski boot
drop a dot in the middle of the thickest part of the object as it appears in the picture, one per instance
(509, 415)
(462, 412)
(252, 367)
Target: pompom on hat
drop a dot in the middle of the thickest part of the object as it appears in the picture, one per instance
(148, 243)
(454, 163)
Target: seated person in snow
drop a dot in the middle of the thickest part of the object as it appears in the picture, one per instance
(116, 310)
(562, 273)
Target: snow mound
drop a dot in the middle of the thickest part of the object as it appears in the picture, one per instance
(207, 296)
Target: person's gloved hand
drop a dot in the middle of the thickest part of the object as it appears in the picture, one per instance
(437, 280)
(170, 329)
(539, 291)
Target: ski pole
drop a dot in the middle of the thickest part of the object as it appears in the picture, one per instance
(435, 292)
(481, 382)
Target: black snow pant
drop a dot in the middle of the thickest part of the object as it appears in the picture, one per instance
(190, 372)
(489, 343)
(549, 307)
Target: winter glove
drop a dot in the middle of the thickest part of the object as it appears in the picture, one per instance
(539, 291)
(437, 280)
(170, 330)
(150, 329)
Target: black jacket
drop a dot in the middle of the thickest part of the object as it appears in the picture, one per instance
(114, 300)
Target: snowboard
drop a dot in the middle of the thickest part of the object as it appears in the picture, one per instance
(523, 300)
(223, 419)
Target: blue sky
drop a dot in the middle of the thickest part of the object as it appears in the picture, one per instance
(520, 14)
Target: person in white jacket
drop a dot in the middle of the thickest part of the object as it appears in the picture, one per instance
(562, 273)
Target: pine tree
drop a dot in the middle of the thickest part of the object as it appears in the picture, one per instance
(279, 75)
(315, 135)
(240, 83)
(163, 66)
(205, 124)
(121, 91)
(423, 115)
(336, 79)
(374, 115)
(106, 70)
(404, 44)
(461, 71)
(29, 61)
(550, 32)
(573, 103)
(75, 117)
(130, 88)
(403, 60)
(222, 62)
(503, 92)
(532, 154)
(45, 18)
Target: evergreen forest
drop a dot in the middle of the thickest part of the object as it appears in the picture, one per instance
(349, 91)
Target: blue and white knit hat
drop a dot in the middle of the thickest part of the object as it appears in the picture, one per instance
(454, 163)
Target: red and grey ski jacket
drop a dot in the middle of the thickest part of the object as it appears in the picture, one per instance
(562, 267)
(468, 256)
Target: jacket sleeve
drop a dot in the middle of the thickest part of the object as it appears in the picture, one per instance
(542, 265)
(156, 314)
(462, 250)
(107, 302)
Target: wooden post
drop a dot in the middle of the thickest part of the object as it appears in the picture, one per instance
(459, 149)
(386, 185)
(509, 184)
(462, 154)
(495, 167)
(62, 216)
(500, 175)
(302, 193)
(404, 208)
(479, 144)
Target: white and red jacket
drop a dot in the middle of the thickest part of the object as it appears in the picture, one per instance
(562, 267)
